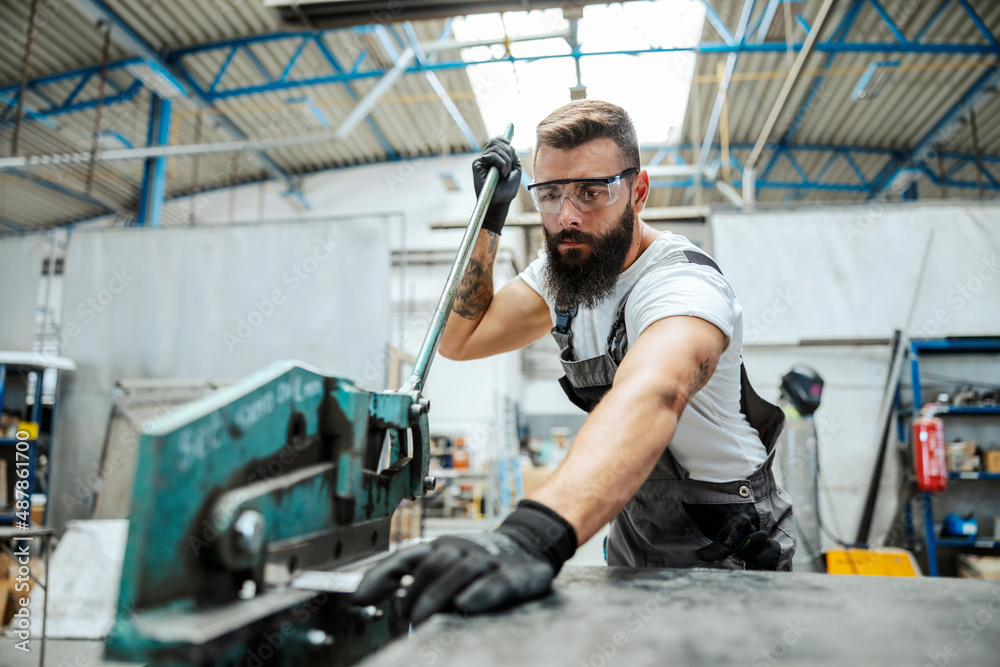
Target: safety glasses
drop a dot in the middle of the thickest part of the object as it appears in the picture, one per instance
(587, 194)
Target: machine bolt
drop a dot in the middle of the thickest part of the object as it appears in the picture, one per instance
(248, 533)
(430, 483)
(369, 613)
(421, 407)
(316, 637)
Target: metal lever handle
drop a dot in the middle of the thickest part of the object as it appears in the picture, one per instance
(433, 336)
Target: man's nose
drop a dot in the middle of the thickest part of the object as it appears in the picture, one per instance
(569, 214)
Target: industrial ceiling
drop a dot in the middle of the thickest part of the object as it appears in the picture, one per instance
(887, 101)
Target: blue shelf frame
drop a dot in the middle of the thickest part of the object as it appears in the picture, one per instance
(33, 444)
(973, 475)
(944, 346)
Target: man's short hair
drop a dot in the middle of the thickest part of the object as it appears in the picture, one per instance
(581, 121)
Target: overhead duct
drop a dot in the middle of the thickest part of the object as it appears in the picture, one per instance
(342, 13)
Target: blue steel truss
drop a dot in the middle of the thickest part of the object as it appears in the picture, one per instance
(861, 185)
(926, 147)
(362, 68)
(172, 82)
(50, 98)
(169, 74)
(899, 44)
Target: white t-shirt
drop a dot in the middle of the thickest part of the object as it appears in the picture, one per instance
(713, 440)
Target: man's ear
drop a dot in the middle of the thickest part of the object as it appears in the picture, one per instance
(640, 193)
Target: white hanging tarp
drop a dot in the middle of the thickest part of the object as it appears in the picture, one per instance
(851, 271)
(213, 303)
(21, 260)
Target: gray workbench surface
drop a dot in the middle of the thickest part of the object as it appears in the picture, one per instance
(600, 616)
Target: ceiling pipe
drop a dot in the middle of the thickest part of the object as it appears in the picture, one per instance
(749, 169)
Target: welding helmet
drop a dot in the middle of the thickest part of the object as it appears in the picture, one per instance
(802, 386)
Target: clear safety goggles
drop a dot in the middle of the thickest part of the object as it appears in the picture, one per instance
(587, 194)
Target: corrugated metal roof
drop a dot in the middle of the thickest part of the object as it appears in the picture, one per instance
(411, 117)
(921, 90)
(413, 122)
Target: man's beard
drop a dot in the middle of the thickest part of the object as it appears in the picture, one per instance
(575, 278)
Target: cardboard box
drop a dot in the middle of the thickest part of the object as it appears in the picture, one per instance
(5, 585)
(11, 602)
(979, 567)
(37, 513)
(959, 456)
(406, 521)
(992, 460)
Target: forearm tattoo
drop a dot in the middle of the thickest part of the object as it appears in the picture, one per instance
(475, 292)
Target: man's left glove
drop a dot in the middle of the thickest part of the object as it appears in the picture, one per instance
(478, 572)
(500, 154)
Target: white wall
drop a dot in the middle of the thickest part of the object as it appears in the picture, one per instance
(208, 303)
(852, 271)
(467, 398)
(20, 267)
(846, 272)
(413, 188)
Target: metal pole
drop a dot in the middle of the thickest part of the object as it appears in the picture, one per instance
(720, 96)
(234, 170)
(194, 169)
(889, 396)
(402, 283)
(786, 91)
(97, 112)
(944, 176)
(699, 197)
(18, 115)
(261, 195)
(50, 273)
(429, 347)
(724, 131)
(975, 151)
(48, 592)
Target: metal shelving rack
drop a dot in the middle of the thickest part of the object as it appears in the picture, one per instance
(36, 363)
(946, 346)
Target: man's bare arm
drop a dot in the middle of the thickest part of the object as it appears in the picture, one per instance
(627, 432)
(482, 324)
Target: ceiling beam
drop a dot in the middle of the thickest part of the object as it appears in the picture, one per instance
(982, 88)
(126, 37)
(720, 98)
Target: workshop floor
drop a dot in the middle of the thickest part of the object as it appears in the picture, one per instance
(58, 653)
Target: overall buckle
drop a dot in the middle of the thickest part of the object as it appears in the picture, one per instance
(564, 318)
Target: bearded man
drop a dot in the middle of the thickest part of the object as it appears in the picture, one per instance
(676, 451)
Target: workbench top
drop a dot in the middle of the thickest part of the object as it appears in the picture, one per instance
(601, 616)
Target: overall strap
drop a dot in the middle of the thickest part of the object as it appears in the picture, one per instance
(617, 338)
(562, 331)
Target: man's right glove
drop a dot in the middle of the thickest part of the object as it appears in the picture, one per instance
(478, 572)
(500, 154)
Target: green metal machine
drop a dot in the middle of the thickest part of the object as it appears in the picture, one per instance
(240, 493)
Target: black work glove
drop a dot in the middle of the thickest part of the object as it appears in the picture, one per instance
(738, 538)
(500, 154)
(478, 572)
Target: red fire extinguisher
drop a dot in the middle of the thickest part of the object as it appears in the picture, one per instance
(928, 453)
